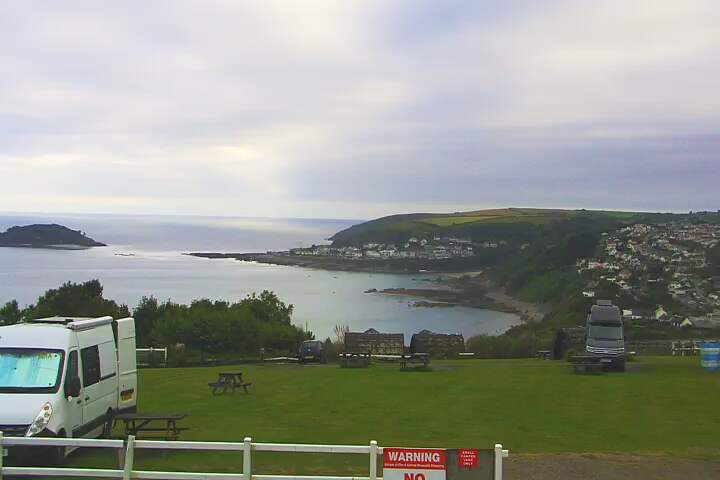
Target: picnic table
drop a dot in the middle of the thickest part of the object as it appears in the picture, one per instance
(414, 358)
(543, 354)
(592, 364)
(354, 359)
(159, 425)
(228, 382)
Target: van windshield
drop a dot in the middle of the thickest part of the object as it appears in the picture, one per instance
(605, 332)
(30, 370)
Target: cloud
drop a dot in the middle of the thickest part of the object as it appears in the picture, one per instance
(358, 108)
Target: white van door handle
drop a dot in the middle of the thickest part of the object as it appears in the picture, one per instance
(87, 397)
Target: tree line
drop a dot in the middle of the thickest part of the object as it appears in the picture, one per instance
(243, 327)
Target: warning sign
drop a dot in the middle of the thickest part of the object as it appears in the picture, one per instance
(414, 464)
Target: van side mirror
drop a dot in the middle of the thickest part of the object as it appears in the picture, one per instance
(72, 387)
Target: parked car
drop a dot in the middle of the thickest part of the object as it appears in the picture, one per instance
(312, 351)
(605, 334)
(65, 377)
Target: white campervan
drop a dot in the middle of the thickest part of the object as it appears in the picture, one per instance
(66, 377)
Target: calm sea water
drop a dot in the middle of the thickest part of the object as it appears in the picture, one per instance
(157, 267)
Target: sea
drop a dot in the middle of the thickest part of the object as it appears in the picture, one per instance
(145, 257)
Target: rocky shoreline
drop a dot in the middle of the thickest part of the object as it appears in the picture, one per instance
(343, 264)
(472, 291)
(467, 288)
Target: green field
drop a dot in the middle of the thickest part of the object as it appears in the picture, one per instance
(663, 405)
(504, 215)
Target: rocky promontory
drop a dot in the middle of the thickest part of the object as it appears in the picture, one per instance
(47, 236)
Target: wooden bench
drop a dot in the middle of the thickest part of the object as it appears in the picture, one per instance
(589, 368)
(229, 382)
(354, 359)
(422, 359)
(147, 425)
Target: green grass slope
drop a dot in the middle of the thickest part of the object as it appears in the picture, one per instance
(514, 224)
(664, 405)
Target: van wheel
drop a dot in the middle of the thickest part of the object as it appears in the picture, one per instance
(620, 366)
(108, 426)
(57, 454)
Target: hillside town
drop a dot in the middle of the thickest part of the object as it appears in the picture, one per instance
(664, 268)
(436, 248)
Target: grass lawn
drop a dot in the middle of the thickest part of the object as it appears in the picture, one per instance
(665, 405)
(535, 217)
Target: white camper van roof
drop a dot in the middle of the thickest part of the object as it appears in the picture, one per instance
(52, 332)
(73, 323)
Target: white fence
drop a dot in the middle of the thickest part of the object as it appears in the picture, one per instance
(150, 357)
(247, 447)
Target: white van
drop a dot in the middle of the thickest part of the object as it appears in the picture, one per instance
(66, 377)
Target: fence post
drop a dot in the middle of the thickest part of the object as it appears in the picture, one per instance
(129, 458)
(2, 452)
(498, 461)
(373, 459)
(247, 459)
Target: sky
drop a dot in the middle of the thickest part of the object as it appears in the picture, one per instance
(357, 109)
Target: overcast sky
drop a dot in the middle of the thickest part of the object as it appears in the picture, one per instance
(355, 109)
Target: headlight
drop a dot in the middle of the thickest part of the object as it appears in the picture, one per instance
(41, 420)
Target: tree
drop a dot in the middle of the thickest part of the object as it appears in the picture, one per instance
(10, 313)
(145, 314)
(77, 300)
(267, 307)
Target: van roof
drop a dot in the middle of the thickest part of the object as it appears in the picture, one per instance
(605, 313)
(73, 323)
(35, 335)
(50, 332)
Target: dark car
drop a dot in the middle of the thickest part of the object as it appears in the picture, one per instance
(312, 351)
(605, 334)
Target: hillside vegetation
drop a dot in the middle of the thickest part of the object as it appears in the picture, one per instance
(511, 224)
(533, 259)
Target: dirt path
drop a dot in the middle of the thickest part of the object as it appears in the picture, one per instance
(607, 467)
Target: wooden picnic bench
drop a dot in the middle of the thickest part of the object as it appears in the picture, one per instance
(414, 358)
(543, 354)
(589, 364)
(354, 359)
(156, 425)
(228, 382)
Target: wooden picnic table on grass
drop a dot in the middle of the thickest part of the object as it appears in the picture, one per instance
(589, 364)
(354, 359)
(414, 358)
(229, 382)
(157, 425)
(543, 354)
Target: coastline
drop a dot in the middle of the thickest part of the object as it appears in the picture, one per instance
(471, 290)
(52, 247)
(457, 265)
(468, 287)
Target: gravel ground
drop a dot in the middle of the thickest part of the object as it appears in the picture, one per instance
(607, 467)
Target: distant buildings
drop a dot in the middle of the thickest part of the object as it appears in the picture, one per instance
(436, 248)
(640, 259)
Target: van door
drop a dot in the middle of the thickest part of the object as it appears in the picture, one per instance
(73, 410)
(127, 365)
(100, 388)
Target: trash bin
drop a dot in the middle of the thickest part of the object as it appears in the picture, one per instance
(710, 356)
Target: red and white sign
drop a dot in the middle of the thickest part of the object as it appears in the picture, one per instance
(468, 458)
(414, 464)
